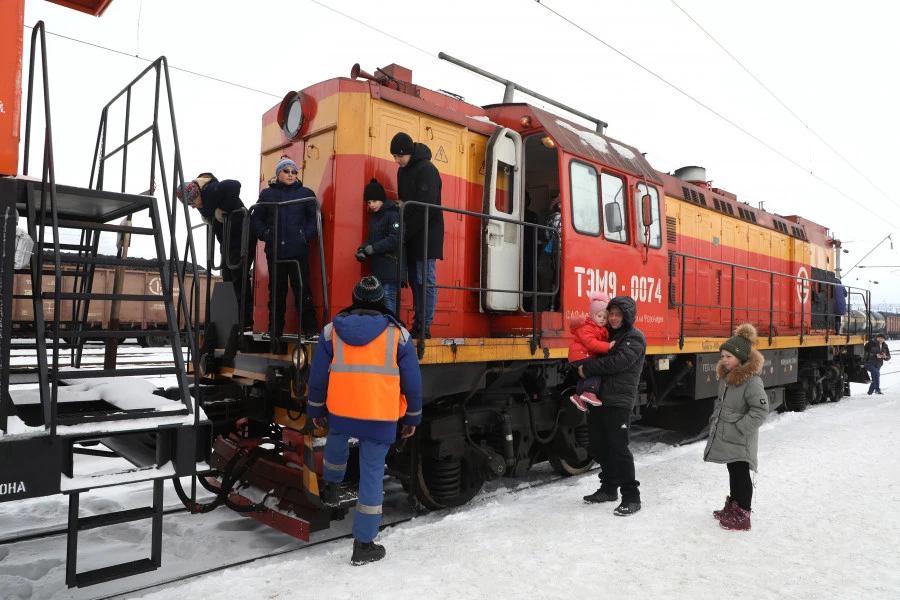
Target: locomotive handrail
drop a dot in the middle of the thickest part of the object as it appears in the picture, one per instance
(534, 293)
(48, 386)
(804, 283)
(275, 259)
(173, 270)
(243, 263)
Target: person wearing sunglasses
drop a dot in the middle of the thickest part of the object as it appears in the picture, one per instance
(297, 227)
(217, 201)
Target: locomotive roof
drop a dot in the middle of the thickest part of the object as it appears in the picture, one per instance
(577, 139)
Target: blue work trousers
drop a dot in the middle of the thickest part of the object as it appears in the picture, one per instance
(371, 476)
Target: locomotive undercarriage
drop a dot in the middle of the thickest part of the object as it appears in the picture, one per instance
(266, 455)
(681, 388)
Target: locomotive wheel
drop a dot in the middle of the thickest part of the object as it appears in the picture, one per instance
(796, 400)
(447, 483)
(567, 468)
(572, 466)
(838, 389)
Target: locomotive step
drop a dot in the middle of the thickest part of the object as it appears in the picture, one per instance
(136, 567)
(116, 518)
(71, 224)
(91, 296)
(83, 204)
(120, 333)
(109, 260)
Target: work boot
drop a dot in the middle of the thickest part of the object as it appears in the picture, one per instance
(738, 520)
(330, 494)
(578, 402)
(627, 508)
(366, 552)
(601, 495)
(726, 510)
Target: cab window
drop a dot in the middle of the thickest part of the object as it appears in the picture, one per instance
(615, 221)
(585, 192)
(655, 233)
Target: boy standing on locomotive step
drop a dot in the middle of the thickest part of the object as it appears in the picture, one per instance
(365, 377)
(419, 180)
(383, 244)
(297, 227)
(216, 201)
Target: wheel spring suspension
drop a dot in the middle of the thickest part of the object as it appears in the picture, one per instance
(443, 478)
(582, 436)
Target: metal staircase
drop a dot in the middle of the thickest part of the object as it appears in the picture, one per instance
(162, 434)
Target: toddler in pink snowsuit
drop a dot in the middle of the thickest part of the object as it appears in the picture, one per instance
(591, 337)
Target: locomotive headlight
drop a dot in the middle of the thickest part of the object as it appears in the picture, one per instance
(293, 113)
(299, 358)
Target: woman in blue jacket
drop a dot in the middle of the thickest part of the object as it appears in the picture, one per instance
(297, 227)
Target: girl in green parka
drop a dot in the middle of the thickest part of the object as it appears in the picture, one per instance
(742, 406)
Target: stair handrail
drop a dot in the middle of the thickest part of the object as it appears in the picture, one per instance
(48, 380)
(173, 269)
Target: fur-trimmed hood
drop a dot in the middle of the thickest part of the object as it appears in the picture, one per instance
(744, 372)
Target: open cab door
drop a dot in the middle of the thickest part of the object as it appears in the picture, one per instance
(501, 247)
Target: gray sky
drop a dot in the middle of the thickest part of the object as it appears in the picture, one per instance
(828, 62)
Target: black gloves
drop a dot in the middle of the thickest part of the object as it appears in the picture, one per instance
(364, 252)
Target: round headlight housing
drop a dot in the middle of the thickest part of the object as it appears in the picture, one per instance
(293, 113)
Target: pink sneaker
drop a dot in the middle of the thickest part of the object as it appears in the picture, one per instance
(578, 402)
(591, 399)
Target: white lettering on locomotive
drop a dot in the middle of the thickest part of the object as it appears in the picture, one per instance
(595, 280)
(12, 487)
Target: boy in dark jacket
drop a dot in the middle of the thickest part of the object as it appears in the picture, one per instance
(608, 425)
(876, 353)
(296, 227)
(419, 180)
(216, 202)
(383, 243)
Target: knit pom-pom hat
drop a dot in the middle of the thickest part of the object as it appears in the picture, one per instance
(741, 343)
(598, 300)
(368, 291)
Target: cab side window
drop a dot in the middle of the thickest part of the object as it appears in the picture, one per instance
(655, 234)
(615, 217)
(585, 191)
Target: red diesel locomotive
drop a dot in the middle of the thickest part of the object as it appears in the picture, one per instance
(495, 378)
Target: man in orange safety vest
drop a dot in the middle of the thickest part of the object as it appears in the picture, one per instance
(365, 378)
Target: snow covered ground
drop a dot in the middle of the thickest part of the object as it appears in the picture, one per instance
(825, 525)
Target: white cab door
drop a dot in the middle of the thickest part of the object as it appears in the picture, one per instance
(502, 242)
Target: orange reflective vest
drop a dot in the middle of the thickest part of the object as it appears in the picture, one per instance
(365, 380)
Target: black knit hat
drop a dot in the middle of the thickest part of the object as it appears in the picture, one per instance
(374, 191)
(742, 343)
(401, 144)
(368, 291)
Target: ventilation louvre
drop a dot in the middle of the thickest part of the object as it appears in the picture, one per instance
(671, 230)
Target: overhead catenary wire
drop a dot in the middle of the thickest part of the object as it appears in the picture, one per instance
(700, 103)
(786, 107)
(172, 67)
(433, 55)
